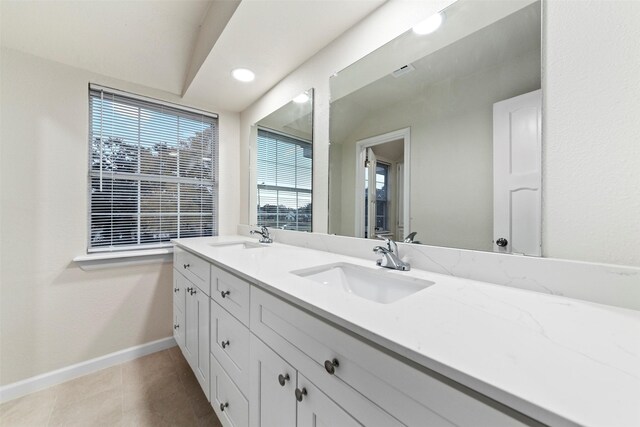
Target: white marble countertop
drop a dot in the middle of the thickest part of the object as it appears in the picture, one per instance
(559, 360)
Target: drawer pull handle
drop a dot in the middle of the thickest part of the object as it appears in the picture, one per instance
(224, 344)
(225, 293)
(282, 379)
(186, 266)
(331, 365)
(300, 394)
(224, 405)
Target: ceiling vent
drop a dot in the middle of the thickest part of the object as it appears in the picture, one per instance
(403, 70)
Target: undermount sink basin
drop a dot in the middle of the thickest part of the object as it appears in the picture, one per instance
(379, 285)
(238, 245)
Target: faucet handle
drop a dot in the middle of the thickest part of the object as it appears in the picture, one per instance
(389, 241)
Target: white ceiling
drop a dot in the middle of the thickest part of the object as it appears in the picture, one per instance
(156, 42)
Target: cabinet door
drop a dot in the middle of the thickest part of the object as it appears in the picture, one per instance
(190, 326)
(178, 326)
(201, 355)
(196, 349)
(316, 409)
(273, 384)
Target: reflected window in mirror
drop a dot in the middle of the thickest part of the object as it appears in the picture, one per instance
(282, 166)
(284, 181)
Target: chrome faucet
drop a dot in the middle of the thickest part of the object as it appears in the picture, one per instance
(264, 232)
(410, 237)
(390, 258)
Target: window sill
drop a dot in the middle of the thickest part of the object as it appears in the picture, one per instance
(101, 260)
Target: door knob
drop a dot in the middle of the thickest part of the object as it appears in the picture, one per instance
(502, 242)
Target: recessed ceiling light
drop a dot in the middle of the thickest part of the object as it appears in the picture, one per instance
(429, 25)
(302, 98)
(243, 75)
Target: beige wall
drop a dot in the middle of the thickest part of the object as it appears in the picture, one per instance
(53, 313)
(591, 129)
(591, 159)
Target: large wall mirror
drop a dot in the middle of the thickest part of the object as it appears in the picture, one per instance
(435, 137)
(281, 166)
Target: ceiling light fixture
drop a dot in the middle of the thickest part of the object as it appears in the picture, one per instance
(243, 75)
(301, 99)
(429, 25)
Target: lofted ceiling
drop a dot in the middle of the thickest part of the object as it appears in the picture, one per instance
(185, 47)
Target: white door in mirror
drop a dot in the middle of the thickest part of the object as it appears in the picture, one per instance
(517, 174)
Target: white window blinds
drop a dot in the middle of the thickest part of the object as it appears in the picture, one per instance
(284, 181)
(153, 171)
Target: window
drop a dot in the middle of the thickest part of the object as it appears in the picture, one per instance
(153, 171)
(284, 181)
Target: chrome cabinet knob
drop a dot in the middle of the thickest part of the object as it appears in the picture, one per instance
(282, 379)
(225, 293)
(300, 394)
(224, 405)
(331, 365)
(224, 344)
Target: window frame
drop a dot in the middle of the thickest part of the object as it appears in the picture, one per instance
(140, 177)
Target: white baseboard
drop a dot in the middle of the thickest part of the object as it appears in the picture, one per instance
(39, 382)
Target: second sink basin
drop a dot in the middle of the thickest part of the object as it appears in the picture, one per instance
(237, 245)
(373, 284)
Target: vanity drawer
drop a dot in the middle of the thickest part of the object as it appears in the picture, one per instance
(230, 405)
(413, 396)
(231, 292)
(230, 345)
(194, 268)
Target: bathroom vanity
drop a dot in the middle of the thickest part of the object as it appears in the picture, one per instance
(280, 335)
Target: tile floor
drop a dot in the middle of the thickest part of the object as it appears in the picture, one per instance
(156, 390)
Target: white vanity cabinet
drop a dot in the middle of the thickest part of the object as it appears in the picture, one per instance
(282, 396)
(265, 362)
(339, 364)
(191, 314)
(230, 349)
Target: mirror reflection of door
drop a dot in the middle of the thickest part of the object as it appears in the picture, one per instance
(381, 191)
(378, 197)
(517, 174)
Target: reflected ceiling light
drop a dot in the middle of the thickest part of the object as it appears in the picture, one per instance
(302, 98)
(243, 75)
(429, 25)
